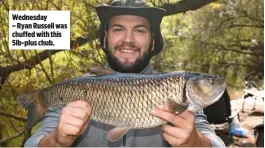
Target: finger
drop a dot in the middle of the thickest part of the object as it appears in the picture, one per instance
(81, 104)
(73, 121)
(167, 116)
(187, 115)
(173, 131)
(163, 107)
(68, 130)
(171, 140)
(76, 112)
(85, 126)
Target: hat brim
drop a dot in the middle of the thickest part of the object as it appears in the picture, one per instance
(153, 14)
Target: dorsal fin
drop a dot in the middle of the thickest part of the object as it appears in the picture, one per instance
(98, 70)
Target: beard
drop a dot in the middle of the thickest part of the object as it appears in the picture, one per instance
(127, 67)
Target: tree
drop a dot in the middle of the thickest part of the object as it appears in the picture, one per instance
(225, 38)
(26, 70)
(171, 8)
(235, 33)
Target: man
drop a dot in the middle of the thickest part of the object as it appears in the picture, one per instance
(130, 36)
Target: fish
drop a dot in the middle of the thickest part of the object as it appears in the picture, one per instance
(124, 100)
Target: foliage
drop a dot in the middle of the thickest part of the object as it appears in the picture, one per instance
(223, 38)
(232, 35)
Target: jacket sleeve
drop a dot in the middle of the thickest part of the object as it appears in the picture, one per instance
(47, 125)
(204, 128)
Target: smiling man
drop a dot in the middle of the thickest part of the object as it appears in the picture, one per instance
(130, 36)
(129, 43)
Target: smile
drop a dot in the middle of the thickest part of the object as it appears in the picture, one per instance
(127, 50)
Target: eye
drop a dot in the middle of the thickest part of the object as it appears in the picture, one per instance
(117, 30)
(211, 81)
(140, 31)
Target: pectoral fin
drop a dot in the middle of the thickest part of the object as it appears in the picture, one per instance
(176, 107)
(116, 133)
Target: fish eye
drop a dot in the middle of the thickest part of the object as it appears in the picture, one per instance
(211, 81)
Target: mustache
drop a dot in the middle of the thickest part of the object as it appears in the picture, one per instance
(130, 45)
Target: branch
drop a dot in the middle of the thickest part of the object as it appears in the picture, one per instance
(222, 47)
(44, 71)
(228, 63)
(247, 47)
(185, 5)
(178, 7)
(52, 71)
(13, 116)
(37, 59)
(89, 5)
(13, 137)
(226, 21)
(58, 8)
(174, 8)
(7, 8)
(251, 17)
(250, 26)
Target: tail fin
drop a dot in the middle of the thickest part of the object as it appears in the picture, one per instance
(32, 102)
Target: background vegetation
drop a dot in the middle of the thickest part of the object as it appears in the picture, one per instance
(221, 37)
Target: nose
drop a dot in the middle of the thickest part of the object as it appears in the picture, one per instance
(129, 38)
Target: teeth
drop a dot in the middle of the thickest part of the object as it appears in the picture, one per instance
(128, 51)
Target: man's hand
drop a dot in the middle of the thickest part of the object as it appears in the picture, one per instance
(183, 132)
(73, 122)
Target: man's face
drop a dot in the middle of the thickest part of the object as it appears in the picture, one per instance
(129, 43)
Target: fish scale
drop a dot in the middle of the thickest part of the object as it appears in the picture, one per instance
(120, 100)
(126, 100)
(105, 114)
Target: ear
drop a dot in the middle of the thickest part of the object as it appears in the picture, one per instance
(105, 39)
(153, 45)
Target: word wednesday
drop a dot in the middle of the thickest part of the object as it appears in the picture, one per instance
(29, 17)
